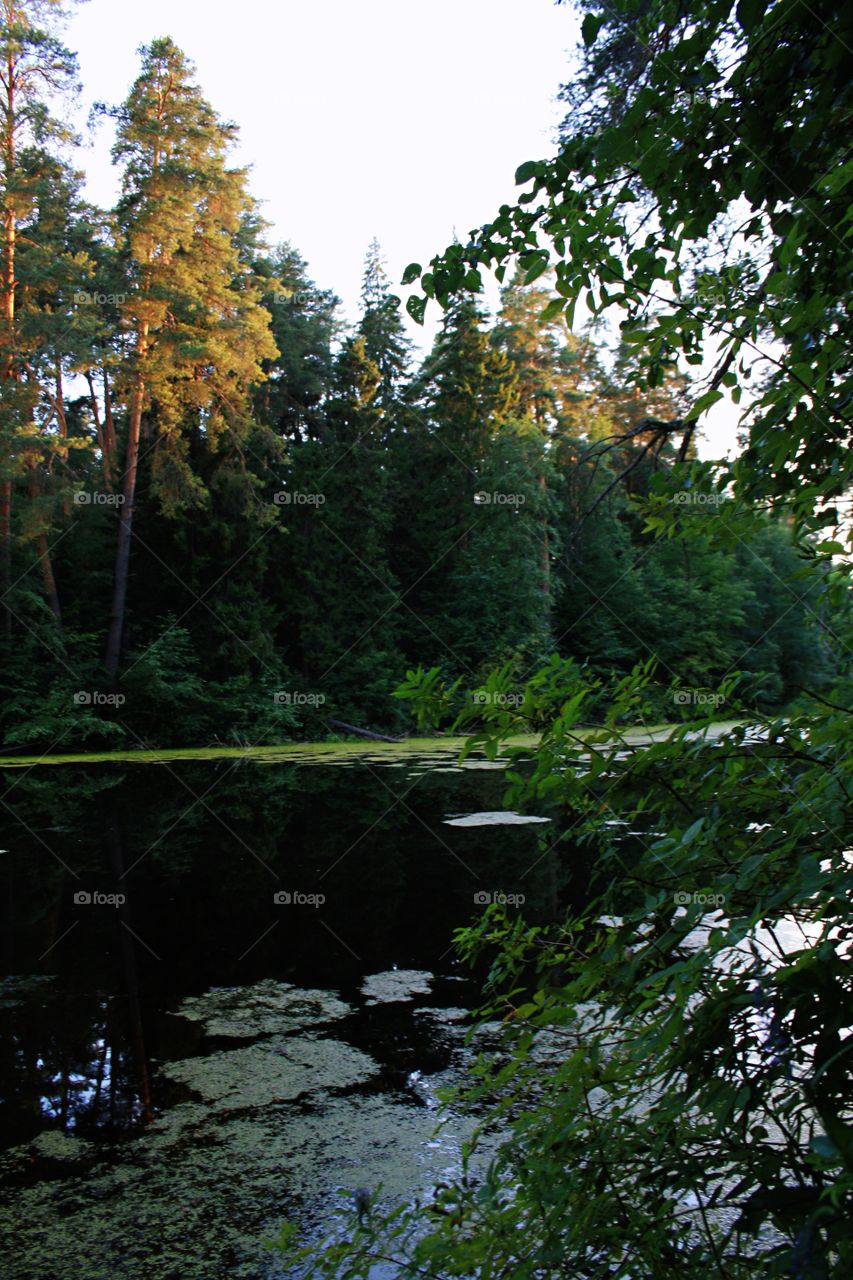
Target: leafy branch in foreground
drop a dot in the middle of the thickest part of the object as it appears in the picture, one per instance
(672, 1093)
(702, 188)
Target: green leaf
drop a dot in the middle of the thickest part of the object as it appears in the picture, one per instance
(530, 169)
(750, 13)
(554, 308)
(704, 403)
(416, 306)
(413, 270)
(539, 267)
(825, 1147)
(592, 24)
(692, 831)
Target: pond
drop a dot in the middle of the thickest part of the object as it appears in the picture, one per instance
(231, 995)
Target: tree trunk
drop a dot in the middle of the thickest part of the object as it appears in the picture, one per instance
(546, 550)
(6, 548)
(363, 733)
(48, 579)
(125, 533)
(60, 405)
(109, 431)
(96, 417)
(7, 367)
(45, 563)
(106, 431)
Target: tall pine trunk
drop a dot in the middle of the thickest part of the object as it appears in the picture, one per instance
(6, 548)
(109, 432)
(546, 550)
(125, 534)
(46, 565)
(10, 229)
(7, 370)
(48, 578)
(105, 431)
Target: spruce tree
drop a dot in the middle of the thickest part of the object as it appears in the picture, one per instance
(382, 328)
(55, 317)
(468, 538)
(304, 323)
(348, 600)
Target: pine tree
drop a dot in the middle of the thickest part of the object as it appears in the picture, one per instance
(552, 375)
(34, 64)
(54, 323)
(197, 331)
(637, 424)
(556, 375)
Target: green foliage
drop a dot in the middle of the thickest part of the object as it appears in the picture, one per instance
(674, 1081)
(164, 684)
(431, 695)
(199, 331)
(47, 717)
(701, 189)
(673, 1089)
(311, 511)
(303, 324)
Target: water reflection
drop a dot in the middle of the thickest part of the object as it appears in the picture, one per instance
(136, 886)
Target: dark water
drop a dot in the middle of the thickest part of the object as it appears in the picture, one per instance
(127, 889)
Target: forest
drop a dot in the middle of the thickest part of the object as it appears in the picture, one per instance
(427, 775)
(229, 517)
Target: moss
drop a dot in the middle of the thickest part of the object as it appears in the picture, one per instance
(290, 753)
(271, 1134)
(272, 1071)
(396, 985)
(342, 752)
(267, 1008)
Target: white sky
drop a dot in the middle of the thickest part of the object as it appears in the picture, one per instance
(360, 118)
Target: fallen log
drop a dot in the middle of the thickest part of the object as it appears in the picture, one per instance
(364, 733)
